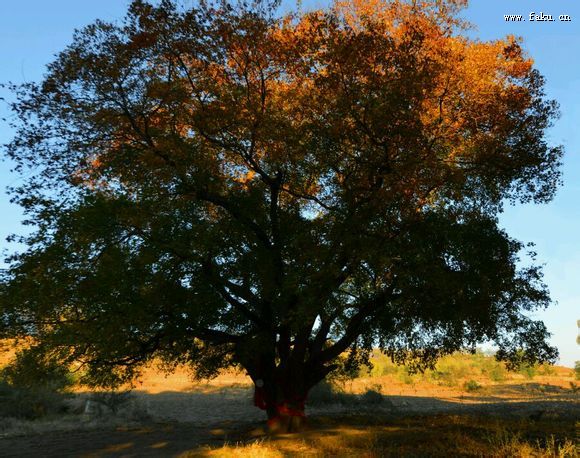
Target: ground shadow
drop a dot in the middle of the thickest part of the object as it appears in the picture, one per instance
(189, 424)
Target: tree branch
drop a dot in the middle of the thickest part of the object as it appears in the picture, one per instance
(354, 326)
(223, 286)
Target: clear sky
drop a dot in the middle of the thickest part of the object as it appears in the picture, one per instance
(32, 31)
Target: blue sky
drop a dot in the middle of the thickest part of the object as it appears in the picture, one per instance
(33, 31)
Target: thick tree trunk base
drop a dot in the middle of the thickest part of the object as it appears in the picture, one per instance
(283, 424)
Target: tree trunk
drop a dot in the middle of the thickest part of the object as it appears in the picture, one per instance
(282, 396)
(281, 384)
(286, 417)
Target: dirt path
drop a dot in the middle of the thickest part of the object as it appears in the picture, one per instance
(155, 440)
(196, 429)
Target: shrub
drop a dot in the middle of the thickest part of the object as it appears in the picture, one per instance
(27, 403)
(112, 400)
(498, 373)
(28, 371)
(471, 386)
(446, 378)
(406, 377)
(382, 365)
(327, 392)
(372, 396)
(546, 369)
(577, 370)
(450, 369)
(528, 370)
(489, 367)
(32, 387)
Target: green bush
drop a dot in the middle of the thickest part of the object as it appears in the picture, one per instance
(498, 373)
(407, 378)
(546, 369)
(372, 396)
(32, 387)
(529, 371)
(31, 371)
(443, 377)
(327, 392)
(27, 403)
(390, 369)
(382, 365)
(492, 369)
(452, 370)
(577, 370)
(471, 386)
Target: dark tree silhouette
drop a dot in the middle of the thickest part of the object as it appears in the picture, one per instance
(226, 186)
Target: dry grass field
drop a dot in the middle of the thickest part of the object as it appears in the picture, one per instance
(468, 406)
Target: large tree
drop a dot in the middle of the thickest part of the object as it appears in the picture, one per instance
(226, 185)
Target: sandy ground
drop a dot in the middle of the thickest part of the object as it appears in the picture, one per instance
(176, 417)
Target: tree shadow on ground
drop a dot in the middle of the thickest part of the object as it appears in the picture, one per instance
(197, 424)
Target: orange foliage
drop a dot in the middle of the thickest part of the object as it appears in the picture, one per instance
(395, 73)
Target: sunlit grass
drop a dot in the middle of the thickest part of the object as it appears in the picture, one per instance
(442, 435)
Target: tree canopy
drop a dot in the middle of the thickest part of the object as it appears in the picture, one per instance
(228, 185)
